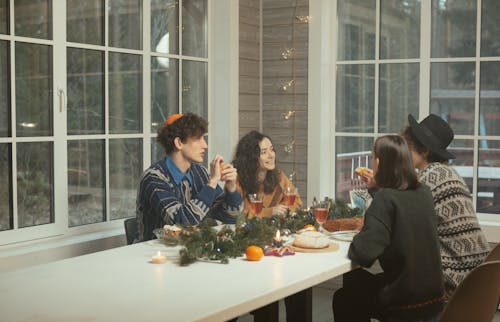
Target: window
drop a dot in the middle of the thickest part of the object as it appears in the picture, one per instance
(84, 86)
(385, 49)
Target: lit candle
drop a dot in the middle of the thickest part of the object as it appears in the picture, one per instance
(278, 241)
(159, 258)
(366, 161)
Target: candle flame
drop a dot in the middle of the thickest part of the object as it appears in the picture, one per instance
(278, 235)
(159, 253)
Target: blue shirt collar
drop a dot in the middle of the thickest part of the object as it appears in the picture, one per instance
(176, 173)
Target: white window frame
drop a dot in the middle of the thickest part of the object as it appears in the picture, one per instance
(322, 83)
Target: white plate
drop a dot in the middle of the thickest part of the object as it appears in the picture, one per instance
(344, 235)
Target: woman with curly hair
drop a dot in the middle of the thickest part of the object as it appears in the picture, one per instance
(255, 160)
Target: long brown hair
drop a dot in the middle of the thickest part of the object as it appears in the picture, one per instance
(396, 168)
(246, 161)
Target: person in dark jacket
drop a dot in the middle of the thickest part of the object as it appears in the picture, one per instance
(400, 231)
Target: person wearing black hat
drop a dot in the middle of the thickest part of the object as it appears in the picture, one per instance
(463, 244)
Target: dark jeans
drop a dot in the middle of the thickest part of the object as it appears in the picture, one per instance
(356, 301)
(298, 309)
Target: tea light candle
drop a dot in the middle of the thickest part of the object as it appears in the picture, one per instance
(159, 258)
(278, 240)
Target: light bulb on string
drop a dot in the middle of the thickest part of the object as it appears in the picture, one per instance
(292, 176)
(289, 147)
(286, 85)
(303, 19)
(288, 115)
(287, 53)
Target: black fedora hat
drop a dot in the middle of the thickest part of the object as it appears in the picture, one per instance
(434, 133)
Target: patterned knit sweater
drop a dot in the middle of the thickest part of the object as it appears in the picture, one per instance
(161, 201)
(463, 244)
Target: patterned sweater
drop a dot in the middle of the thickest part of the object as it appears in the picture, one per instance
(161, 201)
(463, 244)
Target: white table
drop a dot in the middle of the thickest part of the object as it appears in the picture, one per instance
(122, 285)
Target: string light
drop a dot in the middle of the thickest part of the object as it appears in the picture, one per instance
(289, 147)
(288, 115)
(288, 53)
(303, 19)
(287, 85)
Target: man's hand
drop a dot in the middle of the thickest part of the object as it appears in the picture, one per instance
(229, 175)
(215, 171)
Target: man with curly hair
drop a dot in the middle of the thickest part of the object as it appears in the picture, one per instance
(178, 189)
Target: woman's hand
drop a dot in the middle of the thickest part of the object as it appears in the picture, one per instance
(367, 177)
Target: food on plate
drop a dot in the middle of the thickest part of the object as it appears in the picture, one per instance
(307, 227)
(311, 239)
(354, 223)
(254, 253)
(362, 171)
(172, 230)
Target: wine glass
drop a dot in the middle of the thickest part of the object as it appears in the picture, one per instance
(320, 213)
(255, 203)
(290, 195)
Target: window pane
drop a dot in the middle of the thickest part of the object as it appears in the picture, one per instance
(33, 89)
(453, 29)
(125, 93)
(194, 28)
(33, 18)
(125, 169)
(85, 21)
(4, 89)
(125, 23)
(400, 29)
(355, 98)
(5, 188)
(164, 90)
(194, 87)
(165, 26)
(157, 150)
(356, 29)
(488, 182)
(351, 152)
(86, 182)
(464, 153)
(85, 91)
(35, 183)
(489, 99)
(452, 94)
(4, 17)
(490, 29)
(398, 95)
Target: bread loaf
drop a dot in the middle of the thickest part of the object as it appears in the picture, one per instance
(311, 239)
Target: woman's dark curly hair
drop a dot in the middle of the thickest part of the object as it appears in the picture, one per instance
(246, 161)
(421, 149)
(188, 126)
(396, 168)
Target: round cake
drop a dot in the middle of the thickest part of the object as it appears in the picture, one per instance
(311, 239)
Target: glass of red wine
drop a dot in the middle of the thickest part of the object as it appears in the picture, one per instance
(290, 195)
(255, 203)
(321, 213)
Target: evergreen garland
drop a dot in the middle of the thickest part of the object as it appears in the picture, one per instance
(204, 242)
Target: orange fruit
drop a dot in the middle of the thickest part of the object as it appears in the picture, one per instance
(254, 253)
(310, 226)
